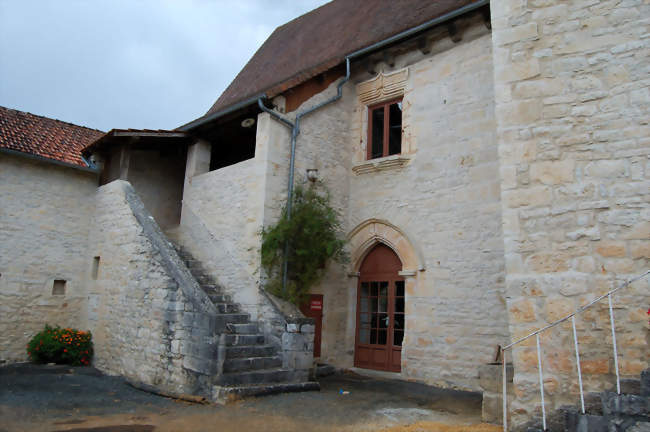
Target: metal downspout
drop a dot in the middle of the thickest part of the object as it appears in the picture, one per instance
(295, 131)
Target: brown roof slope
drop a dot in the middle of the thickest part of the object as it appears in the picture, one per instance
(43, 136)
(320, 39)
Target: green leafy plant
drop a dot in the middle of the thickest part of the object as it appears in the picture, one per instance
(312, 236)
(62, 346)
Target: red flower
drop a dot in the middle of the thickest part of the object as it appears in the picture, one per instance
(65, 350)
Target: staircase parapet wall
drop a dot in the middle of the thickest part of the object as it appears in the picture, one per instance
(277, 318)
(286, 326)
(151, 320)
(168, 256)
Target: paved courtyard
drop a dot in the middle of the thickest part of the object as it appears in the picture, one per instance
(56, 398)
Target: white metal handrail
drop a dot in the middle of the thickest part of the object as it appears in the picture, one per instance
(577, 352)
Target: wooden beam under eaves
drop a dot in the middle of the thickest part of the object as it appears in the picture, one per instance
(486, 17)
(454, 34)
(370, 65)
(389, 58)
(424, 45)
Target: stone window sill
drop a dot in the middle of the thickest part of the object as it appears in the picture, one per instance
(381, 164)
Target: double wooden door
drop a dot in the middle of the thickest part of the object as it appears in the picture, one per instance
(380, 311)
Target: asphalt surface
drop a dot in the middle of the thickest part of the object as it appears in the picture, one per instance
(81, 399)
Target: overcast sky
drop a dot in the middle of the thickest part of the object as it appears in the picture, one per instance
(108, 64)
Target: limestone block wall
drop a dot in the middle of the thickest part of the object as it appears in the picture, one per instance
(157, 176)
(446, 200)
(44, 223)
(324, 144)
(444, 197)
(151, 322)
(573, 101)
(224, 212)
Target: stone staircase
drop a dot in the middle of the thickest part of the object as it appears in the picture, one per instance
(251, 367)
(606, 411)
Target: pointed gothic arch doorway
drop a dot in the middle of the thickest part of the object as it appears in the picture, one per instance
(380, 311)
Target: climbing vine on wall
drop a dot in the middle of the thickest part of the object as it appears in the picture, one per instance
(313, 237)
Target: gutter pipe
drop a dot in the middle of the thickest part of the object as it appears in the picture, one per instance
(295, 125)
(295, 130)
(413, 30)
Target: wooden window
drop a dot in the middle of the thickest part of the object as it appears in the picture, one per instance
(385, 129)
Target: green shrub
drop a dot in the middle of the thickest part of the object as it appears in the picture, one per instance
(313, 236)
(61, 346)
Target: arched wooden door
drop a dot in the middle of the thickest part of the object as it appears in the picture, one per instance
(380, 311)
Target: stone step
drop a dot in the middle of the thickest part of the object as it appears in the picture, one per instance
(211, 289)
(247, 329)
(256, 377)
(228, 394)
(224, 308)
(244, 339)
(250, 351)
(251, 364)
(194, 265)
(219, 298)
(203, 279)
(226, 320)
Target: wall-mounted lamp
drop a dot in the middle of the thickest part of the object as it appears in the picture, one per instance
(312, 174)
(248, 122)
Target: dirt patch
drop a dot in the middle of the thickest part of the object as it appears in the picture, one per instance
(440, 427)
(86, 401)
(120, 428)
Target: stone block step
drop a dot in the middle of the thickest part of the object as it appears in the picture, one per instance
(250, 351)
(203, 279)
(219, 298)
(247, 328)
(226, 308)
(226, 320)
(211, 289)
(244, 339)
(256, 377)
(228, 394)
(251, 364)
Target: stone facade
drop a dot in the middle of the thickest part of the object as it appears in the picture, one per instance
(44, 226)
(521, 192)
(573, 103)
(444, 199)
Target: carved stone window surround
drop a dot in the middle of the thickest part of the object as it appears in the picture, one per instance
(382, 88)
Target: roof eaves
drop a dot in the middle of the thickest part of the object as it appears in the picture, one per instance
(47, 160)
(232, 108)
(304, 75)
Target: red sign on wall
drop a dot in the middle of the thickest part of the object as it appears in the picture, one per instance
(316, 305)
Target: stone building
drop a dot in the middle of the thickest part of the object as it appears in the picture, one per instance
(490, 159)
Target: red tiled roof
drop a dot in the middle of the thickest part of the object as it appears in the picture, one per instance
(320, 40)
(43, 136)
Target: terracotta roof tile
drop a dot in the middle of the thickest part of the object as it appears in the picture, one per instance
(43, 136)
(320, 40)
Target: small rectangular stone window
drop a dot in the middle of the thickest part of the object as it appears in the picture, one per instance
(58, 287)
(95, 271)
(385, 129)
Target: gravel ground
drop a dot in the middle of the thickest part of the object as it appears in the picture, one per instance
(61, 398)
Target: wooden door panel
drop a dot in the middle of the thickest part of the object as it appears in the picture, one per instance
(380, 311)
